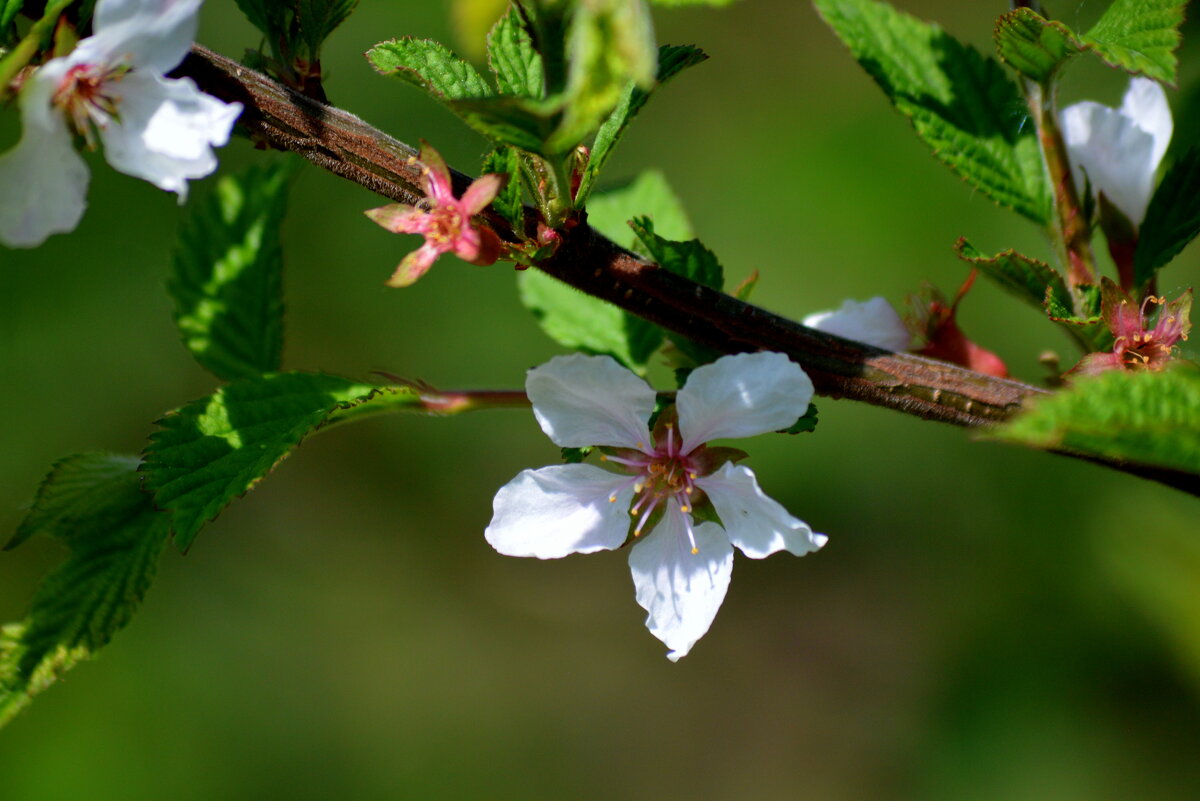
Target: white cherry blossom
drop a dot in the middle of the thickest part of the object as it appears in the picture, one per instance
(874, 322)
(1119, 150)
(110, 88)
(681, 568)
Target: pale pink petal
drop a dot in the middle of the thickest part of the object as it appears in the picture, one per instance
(560, 510)
(758, 525)
(873, 321)
(681, 591)
(437, 175)
(467, 244)
(480, 193)
(741, 396)
(43, 181)
(590, 400)
(414, 265)
(400, 218)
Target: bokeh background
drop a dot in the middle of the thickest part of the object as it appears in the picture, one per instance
(985, 623)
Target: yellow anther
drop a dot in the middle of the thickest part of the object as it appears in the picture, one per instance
(687, 490)
(692, 476)
(603, 458)
(695, 550)
(685, 509)
(612, 498)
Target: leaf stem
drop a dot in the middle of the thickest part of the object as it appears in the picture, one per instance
(19, 57)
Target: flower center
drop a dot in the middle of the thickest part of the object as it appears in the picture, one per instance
(663, 473)
(85, 97)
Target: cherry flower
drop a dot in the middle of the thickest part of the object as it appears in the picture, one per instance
(1137, 345)
(874, 322)
(444, 221)
(681, 568)
(110, 88)
(1119, 150)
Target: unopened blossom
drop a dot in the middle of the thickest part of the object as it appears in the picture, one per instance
(1117, 151)
(874, 322)
(681, 567)
(444, 220)
(110, 90)
(1139, 344)
(937, 328)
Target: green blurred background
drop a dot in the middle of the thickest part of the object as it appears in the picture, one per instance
(985, 623)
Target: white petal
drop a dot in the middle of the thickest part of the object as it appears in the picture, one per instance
(153, 35)
(560, 510)
(873, 321)
(167, 130)
(740, 396)
(758, 525)
(590, 400)
(43, 181)
(1146, 104)
(1115, 154)
(681, 591)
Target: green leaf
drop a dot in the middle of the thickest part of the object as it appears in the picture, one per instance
(269, 16)
(690, 259)
(579, 321)
(648, 195)
(1026, 278)
(1172, 219)
(672, 60)
(680, 3)
(575, 455)
(319, 18)
(509, 120)
(93, 502)
(513, 58)
(8, 12)
(610, 42)
(227, 274)
(431, 66)
(805, 424)
(1140, 36)
(960, 103)
(1147, 418)
(1033, 45)
(507, 161)
(216, 448)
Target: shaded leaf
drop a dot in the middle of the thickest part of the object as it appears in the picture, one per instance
(961, 104)
(319, 18)
(1172, 219)
(672, 60)
(93, 502)
(1147, 418)
(1026, 278)
(227, 274)
(805, 424)
(507, 161)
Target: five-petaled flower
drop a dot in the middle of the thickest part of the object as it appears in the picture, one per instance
(1119, 150)
(681, 568)
(110, 87)
(444, 220)
(1137, 345)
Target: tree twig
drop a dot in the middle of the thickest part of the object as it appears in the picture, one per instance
(346, 146)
